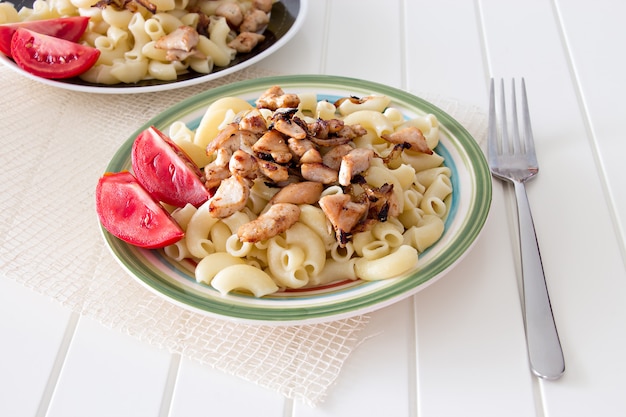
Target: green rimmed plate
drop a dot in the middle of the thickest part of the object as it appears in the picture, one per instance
(469, 208)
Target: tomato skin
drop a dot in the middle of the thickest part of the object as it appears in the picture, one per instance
(166, 171)
(130, 213)
(49, 57)
(68, 28)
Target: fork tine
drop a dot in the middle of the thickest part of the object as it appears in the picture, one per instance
(503, 121)
(528, 131)
(516, 143)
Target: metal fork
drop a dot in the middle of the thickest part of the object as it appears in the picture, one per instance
(514, 159)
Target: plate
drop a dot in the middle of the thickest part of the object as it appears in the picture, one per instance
(286, 19)
(469, 207)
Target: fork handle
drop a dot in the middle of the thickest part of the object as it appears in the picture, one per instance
(544, 348)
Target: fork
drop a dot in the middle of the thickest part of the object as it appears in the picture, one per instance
(514, 160)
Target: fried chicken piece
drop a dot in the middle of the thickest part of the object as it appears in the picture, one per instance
(180, 44)
(277, 219)
(275, 172)
(253, 121)
(312, 156)
(410, 136)
(264, 5)
(246, 41)
(332, 158)
(306, 192)
(355, 162)
(225, 139)
(273, 143)
(318, 172)
(217, 170)
(244, 165)
(288, 124)
(344, 214)
(299, 147)
(230, 197)
(254, 21)
(275, 98)
(231, 12)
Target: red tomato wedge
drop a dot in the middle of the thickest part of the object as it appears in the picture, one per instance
(68, 28)
(130, 213)
(50, 57)
(166, 171)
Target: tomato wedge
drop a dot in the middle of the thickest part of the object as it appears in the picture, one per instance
(50, 57)
(68, 28)
(166, 171)
(130, 213)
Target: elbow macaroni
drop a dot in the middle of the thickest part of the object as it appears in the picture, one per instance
(308, 254)
(125, 54)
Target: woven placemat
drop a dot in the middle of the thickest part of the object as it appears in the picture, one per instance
(55, 145)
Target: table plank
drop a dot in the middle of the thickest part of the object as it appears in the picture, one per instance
(200, 389)
(108, 373)
(587, 296)
(378, 379)
(599, 74)
(34, 339)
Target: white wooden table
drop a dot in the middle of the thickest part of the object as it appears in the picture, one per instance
(456, 348)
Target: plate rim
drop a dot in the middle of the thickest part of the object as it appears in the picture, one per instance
(480, 207)
(130, 89)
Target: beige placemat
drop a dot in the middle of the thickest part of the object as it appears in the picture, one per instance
(55, 145)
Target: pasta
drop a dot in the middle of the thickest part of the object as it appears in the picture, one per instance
(311, 251)
(126, 37)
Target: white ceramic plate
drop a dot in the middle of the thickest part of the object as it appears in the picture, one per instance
(286, 19)
(468, 211)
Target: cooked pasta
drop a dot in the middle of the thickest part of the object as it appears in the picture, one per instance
(125, 54)
(312, 251)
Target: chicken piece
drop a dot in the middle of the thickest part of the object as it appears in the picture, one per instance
(225, 139)
(333, 132)
(318, 172)
(299, 147)
(344, 214)
(312, 156)
(180, 44)
(410, 136)
(245, 139)
(265, 5)
(246, 42)
(275, 98)
(230, 197)
(231, 12)
(351, 131)
(254, 21)
(335, 125)
(273, 171)
(273, 143)
(306, 192)
(319, 128)
(288, 124)
(331, 141)
(332, 158)
(253, 121)
(244, 165)
(277, 219)
(356, 161)
(290, 128)
(217, 170)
